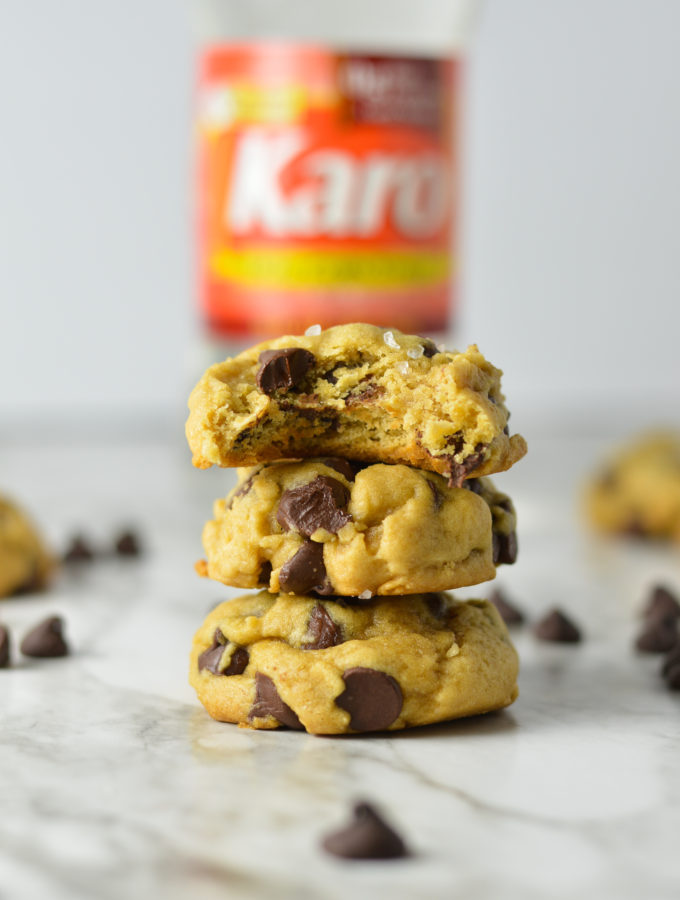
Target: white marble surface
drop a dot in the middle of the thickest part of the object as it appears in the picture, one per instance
(114, 783)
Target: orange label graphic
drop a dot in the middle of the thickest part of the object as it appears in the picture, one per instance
(326, 189)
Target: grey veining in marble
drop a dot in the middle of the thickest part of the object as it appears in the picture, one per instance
(115, 784)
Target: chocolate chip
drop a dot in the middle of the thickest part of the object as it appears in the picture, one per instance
(437, 495)
(305, 571)
(78, 551)
(366, 393)
(458, 472)
(508, 611)
(5, 648)
(268, 703)
(658, 635)
(319, 504)
(368, 836)
(438, 605)
(474, 485)
(264, 574)
(46, 639)
(210, 659)
(241, 490)
(504, 548)
(238, 662)
(429, 348)
(281, 370)
(343, 466)
(322, 630)
(672, 677)
(372, 698)
(662, 604)
(127, 544)
(558, 628)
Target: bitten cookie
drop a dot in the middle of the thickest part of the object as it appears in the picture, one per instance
(638, 492)
(332, 667)
(25, 563)
(359, 392)
(334, 527)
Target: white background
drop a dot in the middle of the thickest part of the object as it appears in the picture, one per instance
(571, 211)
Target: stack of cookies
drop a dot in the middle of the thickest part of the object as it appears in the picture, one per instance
(361, 499)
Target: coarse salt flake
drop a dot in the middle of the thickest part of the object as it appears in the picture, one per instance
(403, 368)
(390, 340)
(416, 352)
(365, 595)
(313, 329)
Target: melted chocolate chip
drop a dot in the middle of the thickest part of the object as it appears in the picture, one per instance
(437, 495)
(429, 348)
(210, 658)
(438, 605)
(127, 544)
(558, 628)
(280, 370)
(367, 393)
(78, 551)
(268, 703)
(659, 635)
(322, 630)
(305, 571)
(46, 639)
(264, 574)
(458, 472)
(368, 836)
(343, 466)
(241, 490)
(5, 651)
(319, 504)
(662, 604)
(508, 611)
(372, 698)
(504, 548)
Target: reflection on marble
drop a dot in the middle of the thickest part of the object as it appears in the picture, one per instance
(115, 783)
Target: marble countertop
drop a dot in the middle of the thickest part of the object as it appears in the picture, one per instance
(115, 783)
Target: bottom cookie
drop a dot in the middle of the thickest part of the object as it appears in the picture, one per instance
(340, 666)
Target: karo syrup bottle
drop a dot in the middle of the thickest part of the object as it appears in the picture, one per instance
(328, 165)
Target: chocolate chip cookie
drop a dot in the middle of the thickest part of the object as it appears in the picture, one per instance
(338, 666)
(25, 562)
(638, 492)
(336, 527)
(358, 392)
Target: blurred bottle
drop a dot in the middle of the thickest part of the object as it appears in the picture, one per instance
(328, 165)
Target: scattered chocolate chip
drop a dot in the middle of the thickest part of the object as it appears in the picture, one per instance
(268, 703)
(372, 698)
(558, 628)
(368, 836)
(658, 635)
(281, 370)
(5, 648)
(322, 630)
(429, 348)
(127, 544)
(319, 504)
(264, 574)
(504, 548)
(46, 639)
(305, 571)
(510, 614)
(662, 604)
(78, 550)
(343, 466)
(437, 495)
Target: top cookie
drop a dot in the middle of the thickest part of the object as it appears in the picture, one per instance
(359, 392)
